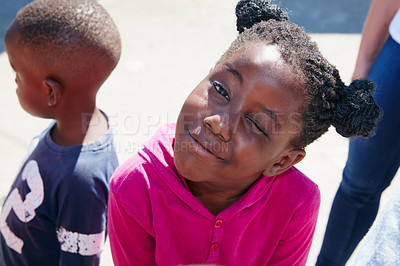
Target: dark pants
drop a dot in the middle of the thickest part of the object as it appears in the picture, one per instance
(371, 166)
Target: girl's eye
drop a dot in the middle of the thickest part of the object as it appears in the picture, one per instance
(218, 87)
(259, 127)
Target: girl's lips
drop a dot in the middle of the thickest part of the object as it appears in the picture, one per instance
(201, 148)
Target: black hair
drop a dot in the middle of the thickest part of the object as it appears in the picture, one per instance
(327, 100)
(70, 26)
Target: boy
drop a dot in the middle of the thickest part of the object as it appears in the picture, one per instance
(55, 213)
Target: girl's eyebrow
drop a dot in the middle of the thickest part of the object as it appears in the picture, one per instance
(266, 110)
(272, 115)
(234, 72)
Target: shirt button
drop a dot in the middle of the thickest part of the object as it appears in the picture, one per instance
(214, 246)
(218, 223)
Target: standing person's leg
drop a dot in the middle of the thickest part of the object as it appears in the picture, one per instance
(370, 166)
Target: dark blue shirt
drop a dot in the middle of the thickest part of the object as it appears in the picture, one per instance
(56, 210)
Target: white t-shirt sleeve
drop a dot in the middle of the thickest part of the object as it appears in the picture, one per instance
(394, 27)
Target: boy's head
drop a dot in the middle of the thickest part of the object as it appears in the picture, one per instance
(61, 47)
(270, 95)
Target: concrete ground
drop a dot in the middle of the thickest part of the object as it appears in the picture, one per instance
(168, 47)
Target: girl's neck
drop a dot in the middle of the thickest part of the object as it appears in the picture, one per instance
(214, 197)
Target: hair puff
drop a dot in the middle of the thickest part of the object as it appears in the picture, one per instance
(356, 113)
(251, 12)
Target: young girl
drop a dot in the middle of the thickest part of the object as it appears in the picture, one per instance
(219, 187)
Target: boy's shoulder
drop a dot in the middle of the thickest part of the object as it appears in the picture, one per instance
(98, 158)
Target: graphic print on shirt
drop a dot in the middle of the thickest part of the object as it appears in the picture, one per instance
(85, 245)
(72, 242)
(24, 210)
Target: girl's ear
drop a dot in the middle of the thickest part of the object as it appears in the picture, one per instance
(288, 160)
(54, 91)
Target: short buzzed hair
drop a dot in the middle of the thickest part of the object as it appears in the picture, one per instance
(70, 25)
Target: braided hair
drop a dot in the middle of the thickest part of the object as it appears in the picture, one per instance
(327, 100)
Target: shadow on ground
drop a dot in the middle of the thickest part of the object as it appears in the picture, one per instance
(326, 16)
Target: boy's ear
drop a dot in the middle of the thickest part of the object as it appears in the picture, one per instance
(54, 91)
(288, 160)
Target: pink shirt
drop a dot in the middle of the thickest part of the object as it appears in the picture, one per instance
(154, 219)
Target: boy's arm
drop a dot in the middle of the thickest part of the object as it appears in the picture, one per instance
(129, 241)
(82, 219)
(374, 34)
(295, 244)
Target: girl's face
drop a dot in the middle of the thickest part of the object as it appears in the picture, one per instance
(238, 122)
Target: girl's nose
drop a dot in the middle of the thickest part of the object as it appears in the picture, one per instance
(220, 124)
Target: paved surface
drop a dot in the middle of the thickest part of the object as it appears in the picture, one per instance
(168, 47)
